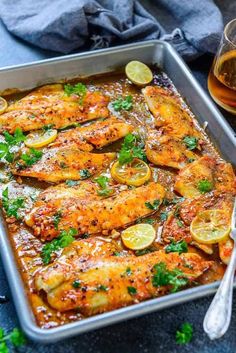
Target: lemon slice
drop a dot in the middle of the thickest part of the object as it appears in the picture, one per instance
(3, 105)
(38, 139)
(210, 226)
(135, 173)
(139, 236)
(138, 73)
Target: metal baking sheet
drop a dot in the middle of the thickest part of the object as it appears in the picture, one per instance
(85, 64)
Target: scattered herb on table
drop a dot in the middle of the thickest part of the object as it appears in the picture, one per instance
(32, 157)
(163, 277)
(131, 148)
(152, 206)
(185, 334)
(16, 337)
(64, 239)
(191, 142)
(204, 186)
(84, 173)
(12, 206)
(180, 247)
(132, 290)
(102, 181)
(123, 103)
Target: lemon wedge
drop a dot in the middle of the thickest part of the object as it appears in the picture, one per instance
(135, 173)
(139, 236)
(38, 139)
(138, 73)
(210, 226)
(3, 105)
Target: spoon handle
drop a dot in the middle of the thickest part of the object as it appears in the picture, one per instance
(218, 316)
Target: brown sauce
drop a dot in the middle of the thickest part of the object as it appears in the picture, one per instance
(27, 247)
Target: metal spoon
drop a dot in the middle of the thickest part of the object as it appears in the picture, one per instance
(218, 316)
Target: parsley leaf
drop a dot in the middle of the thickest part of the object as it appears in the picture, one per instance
(180, 247)
(84, 173)
(16, 337)
(163, 277)
(76, 283)
(185, 334)
(101, 287)
(204, 186)
(123, 104)
(152, 206)
(64, 239)
(132, 290)
(48, 127)
(131, 148)
(11, 206)
(79, 89)
(32, 157)
(102, 181)
(191, 142)
(56, 219)
(163, 216)
(15, 139)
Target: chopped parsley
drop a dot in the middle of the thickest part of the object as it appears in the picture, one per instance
(72, 182)
(152, 206)
(131, 148)
(32, 157)
(163, 216)
(128, 271)
(144, 251)
(84, 173)
(146, 220)
(191, 142)
(5, 152)
(16, 337)
(123, 104)
(185, 334)
(12, 206)
(79, 89)
(76, 284)
(15, 139)
(180, 224)
(163, 277)
(64, 239)
(180, 247)
(56, 219)
(63, 165)
(48, 127)
(204, 186)
(101, 287)
(102, 181)
(132, 290)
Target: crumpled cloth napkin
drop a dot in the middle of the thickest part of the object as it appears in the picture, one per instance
(66, 26)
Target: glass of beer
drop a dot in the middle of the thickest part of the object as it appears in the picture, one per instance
(222, 77)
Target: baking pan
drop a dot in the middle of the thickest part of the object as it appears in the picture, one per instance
(85, 64)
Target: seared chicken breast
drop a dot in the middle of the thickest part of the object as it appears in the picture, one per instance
(91, 215)
(50, 105)
(109, 282)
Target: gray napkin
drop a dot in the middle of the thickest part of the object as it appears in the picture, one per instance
(65, 26)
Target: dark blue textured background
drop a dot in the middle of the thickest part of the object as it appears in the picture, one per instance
(148, 334)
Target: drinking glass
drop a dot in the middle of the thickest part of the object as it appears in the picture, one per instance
(222, 77)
